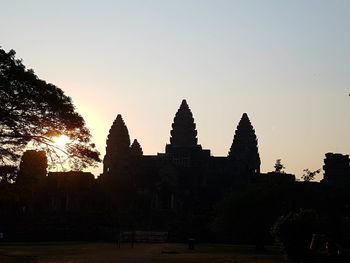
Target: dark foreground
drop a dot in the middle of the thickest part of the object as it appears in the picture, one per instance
(150, 253)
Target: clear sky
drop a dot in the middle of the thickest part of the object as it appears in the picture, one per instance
(285, 63)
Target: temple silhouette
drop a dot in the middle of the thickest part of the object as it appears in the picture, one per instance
(181, 192)
(185, 168)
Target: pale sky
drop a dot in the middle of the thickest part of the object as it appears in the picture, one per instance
(285, 63)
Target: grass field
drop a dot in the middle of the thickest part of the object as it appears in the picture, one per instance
(141, 253)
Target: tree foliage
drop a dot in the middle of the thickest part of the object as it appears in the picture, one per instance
(8, 173)
(310, 175)
(295, 231)
(247, 214)
(34, 111)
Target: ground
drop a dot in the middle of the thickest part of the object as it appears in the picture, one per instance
(141, 253)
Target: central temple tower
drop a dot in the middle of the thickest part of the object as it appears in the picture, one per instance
(184, 133)
(184, 148)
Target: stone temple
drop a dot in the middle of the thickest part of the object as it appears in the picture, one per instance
(185, 176)
(178, 192)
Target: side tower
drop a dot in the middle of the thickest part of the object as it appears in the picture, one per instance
(184, 149)
(135, 149)
(117, 149)
(336, 169)
(243, 154)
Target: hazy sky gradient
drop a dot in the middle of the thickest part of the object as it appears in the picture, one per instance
(285, 63)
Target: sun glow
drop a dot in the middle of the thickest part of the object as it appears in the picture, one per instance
(61, 141)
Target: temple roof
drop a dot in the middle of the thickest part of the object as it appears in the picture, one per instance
(183, 133)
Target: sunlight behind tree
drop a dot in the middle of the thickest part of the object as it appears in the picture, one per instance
(61, 141)
(34, 112)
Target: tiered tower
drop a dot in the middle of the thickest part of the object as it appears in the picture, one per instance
(184, 133)
(118, 147)
(135, 149)
(244, 150)
(184, 149)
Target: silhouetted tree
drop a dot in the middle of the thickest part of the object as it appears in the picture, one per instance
(246, 215)
(279, 167)
(295, 231)
(33, 111)
(309, 175)
(7, 173)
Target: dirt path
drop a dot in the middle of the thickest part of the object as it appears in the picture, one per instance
(141, 253)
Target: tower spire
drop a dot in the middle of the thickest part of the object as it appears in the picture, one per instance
(244, 148)
(183, 133)
(118, 146)
(135, 149)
